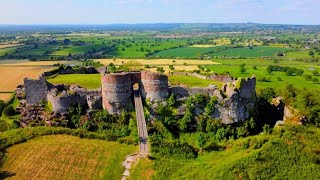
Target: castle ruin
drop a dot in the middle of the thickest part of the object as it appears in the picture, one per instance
(236, 99)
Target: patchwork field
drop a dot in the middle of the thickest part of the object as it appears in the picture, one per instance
(66, 157)
(159, 62)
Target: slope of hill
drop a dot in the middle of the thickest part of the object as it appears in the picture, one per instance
(288, 153)
(65, 157)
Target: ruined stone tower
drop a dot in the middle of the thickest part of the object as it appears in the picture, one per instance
(117, 89)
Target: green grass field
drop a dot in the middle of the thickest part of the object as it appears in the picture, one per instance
(191, 81)
(66, 157)
(89, 81)
(232, 66)
(187, 52)
(288, 153)
(258, 51)
(77, 50)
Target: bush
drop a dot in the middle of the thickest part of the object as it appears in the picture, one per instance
(9, 111)
(2, 104)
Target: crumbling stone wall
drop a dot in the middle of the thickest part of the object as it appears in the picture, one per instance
(215, 77)
(184, 92)
(236, 99)
(35, 90)
(63, 97)
(117, 89)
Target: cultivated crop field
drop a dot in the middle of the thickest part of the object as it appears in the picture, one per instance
(66, 157)
(12, 72)
(11, 77)
(5, 96)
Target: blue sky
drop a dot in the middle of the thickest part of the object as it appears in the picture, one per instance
(155, 11)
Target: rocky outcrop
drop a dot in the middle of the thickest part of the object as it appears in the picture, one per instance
(240, 101)
(236, 100)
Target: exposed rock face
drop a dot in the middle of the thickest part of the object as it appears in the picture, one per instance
(236, 101)
(35, 90)
(117, 89)
(240, 101)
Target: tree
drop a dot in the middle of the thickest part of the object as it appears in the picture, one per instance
(160, 70)
(171, 67)
(299, 72)
(171, 100)
(315, 73)
(315, 80)
(269, 69)
(290, 72)
(9, 111)
(242, 68)
(112, 68)
(311, 53)
(66, 41)
(255, 67)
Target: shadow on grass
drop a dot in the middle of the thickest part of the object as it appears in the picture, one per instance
(6, 174)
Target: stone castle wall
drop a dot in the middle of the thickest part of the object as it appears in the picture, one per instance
(117, 89)
(64, 97)
(215, 77)
(35, 90)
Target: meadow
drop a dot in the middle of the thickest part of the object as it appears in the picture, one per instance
(257, 51)
(278, 79)
(66, 157)
(89, 81)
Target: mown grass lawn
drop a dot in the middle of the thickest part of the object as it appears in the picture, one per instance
(191, 81)
(89, 81)
(66, 157)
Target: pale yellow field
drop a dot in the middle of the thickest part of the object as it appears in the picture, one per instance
(11, 77)
(14, 63)
(5, 96)
(159, 62)
(180, 68)
(2, 46)
(222, 41)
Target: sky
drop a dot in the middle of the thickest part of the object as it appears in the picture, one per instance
(159, 11)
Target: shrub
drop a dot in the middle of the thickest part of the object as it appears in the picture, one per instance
(9, 111)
